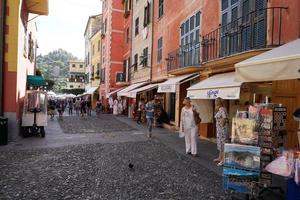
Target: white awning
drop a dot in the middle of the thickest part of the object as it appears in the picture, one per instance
(113, 92)
(91, 90)
(221, 85)
(125, 91)
(281, 63)
(132, 93)
(170, 84)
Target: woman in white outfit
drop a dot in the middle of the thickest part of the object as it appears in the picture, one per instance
(115, 107)
(188, 128)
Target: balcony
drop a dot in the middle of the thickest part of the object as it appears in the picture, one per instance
(249, 34)
(186, 57)
(97, 74)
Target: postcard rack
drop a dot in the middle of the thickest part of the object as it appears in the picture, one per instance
(256, 137)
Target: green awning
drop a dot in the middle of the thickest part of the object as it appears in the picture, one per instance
(35, 80)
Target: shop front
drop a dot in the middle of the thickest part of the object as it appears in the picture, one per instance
(174, 90)
(93, 95)
(130, 101)
(236, 95)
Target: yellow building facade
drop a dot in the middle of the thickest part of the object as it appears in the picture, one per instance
(76, 78)
(20, 42)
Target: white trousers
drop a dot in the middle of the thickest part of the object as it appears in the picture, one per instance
(190, 136)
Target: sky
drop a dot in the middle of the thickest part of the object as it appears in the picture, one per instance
(64, 26)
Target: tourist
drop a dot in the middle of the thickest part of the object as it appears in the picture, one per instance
(222, 129)
(60, 105)
(89, 107)
(149, 108)
(140, 110)
(120, 106)
(77, 106)
(115, 107)
(188, 128)
(70, 104)
(98, 107)
(82, 108)
(111, 105)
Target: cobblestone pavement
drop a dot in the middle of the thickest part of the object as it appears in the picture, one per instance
(100, 171)
(100, 124)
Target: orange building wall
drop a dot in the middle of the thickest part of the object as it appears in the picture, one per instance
(168, 26)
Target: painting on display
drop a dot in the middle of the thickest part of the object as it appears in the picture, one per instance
(242, 157)
(244, 131)
(240, 180)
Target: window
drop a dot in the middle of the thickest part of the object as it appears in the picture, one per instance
(99, 46)
(147, 14)
(93, 50)
(105, 26)
(136, 31)
(102, 75)
(73, 65)
(71, 86)
(144, 57)
(160, 8)
(127, 7)
(81, 66)
(135, 62)
(190, 30)
(159, 49)
(127, 36)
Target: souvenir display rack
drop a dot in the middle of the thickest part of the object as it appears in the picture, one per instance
(261, 129)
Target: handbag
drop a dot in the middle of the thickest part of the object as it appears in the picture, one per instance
(196, 117)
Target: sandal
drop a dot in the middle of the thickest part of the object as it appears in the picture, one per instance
(220, 164)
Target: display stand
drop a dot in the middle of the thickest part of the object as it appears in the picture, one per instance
(256, 136)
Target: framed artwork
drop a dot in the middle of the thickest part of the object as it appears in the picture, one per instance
(242, 157)
(241, 181)
(244, 131)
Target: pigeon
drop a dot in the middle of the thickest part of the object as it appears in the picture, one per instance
(130, 165)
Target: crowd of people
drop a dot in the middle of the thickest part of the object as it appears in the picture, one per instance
(82, 107)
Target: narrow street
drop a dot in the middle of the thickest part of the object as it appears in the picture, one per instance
(88, 158)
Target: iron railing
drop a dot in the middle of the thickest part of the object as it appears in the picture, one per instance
(186, 55)
(258, 29)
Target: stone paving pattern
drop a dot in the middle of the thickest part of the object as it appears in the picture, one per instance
(95, 166)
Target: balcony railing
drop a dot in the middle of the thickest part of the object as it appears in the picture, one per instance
(186, 56)
(121, 77)
(248, 32)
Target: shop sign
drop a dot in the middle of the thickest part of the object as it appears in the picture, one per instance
(212, 94)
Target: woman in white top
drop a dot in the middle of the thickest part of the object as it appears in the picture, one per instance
(115, 107)
(188, 128)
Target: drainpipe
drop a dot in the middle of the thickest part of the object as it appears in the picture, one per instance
(2, 51)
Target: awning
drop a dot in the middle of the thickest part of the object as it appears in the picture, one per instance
(281, 63)
(132, 93)
(170, 84)
(125, 91)
(35, 80)
(91, 90)
(113, 92)
(40, 7)
(221, 85)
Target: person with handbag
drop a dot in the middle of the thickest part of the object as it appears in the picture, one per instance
(189, 127)
(221, 117)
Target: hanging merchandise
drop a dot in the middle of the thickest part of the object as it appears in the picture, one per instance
(243, 131)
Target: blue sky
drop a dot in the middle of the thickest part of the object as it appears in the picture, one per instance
(64, 26)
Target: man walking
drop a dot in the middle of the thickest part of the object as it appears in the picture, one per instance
(149, 108)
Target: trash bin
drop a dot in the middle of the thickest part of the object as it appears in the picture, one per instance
(3, 131)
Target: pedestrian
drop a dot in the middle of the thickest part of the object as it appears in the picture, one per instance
(221, 117)
(70, 105)
(77, 106)
(120, 106)
(98, 107)
(115, 107)
(149, 108)
(141, 107)
(188, 127)
(111, 104)
(61, 109)
(52, 109)
(82, 108)
(124, 103)
(89, 107)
